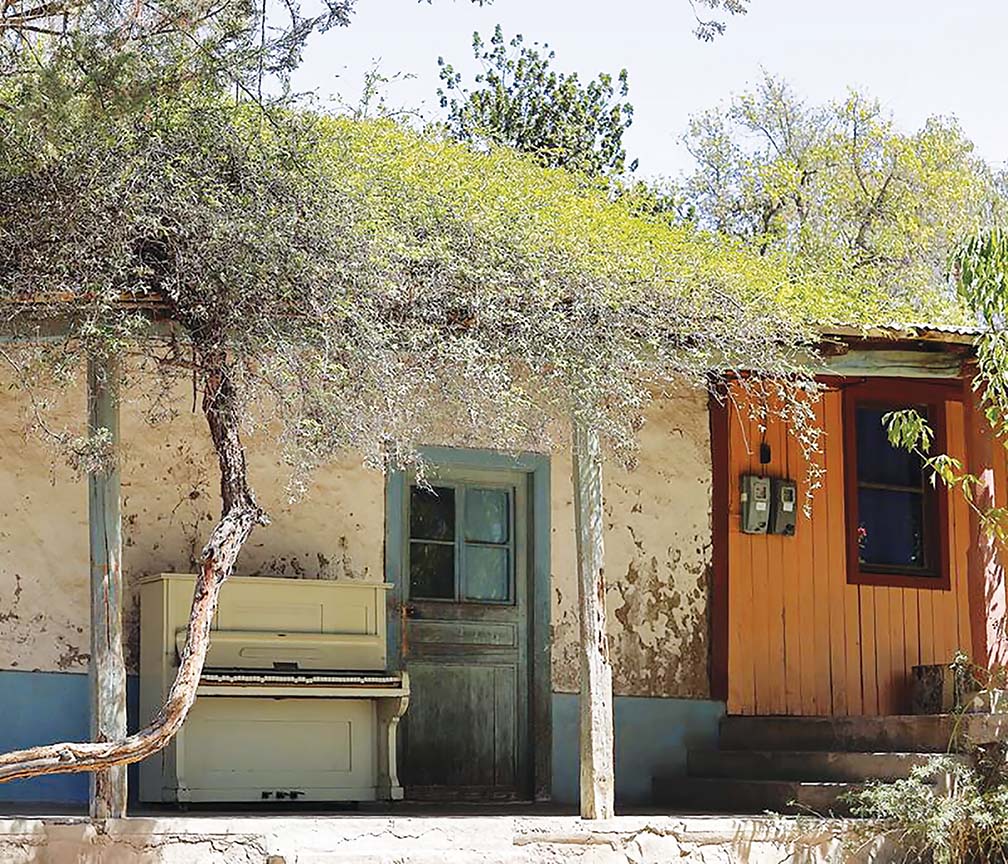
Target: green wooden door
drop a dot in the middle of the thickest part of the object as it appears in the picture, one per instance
(464, 596)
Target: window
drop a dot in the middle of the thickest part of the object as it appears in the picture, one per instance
(897, 525)
(461, 543)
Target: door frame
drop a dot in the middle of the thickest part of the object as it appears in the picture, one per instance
(536, 468)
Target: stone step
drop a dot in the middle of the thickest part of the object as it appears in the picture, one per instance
(809, 765)
(729, 795)
(898, 734)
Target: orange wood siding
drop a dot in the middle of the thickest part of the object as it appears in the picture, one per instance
(801, 640)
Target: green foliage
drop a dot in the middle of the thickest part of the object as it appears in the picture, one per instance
(962, 821)
(372, 287)
(909, 430)
(708, 29)
(841, 192)
(519, 100)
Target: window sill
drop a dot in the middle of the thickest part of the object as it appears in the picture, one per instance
(882, 579)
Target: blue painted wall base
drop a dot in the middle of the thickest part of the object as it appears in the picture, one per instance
(651, 737)
(43, 708)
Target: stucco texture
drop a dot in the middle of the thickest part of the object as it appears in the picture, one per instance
(169, 503)
(657, 537)
(657, 559)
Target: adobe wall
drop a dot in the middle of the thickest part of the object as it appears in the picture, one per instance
(657, 538)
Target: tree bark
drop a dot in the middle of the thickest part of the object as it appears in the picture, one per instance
(596, 740)
(240, 515)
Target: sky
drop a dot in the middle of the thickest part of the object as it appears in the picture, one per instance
(918, 57)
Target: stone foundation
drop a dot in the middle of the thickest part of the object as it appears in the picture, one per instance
(429, 840)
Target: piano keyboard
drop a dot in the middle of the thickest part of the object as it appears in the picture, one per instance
(301, 679)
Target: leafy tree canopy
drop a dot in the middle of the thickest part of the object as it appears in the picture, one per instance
(841, 190)
(520, 100)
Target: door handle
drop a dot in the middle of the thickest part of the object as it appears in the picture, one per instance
(406, 610)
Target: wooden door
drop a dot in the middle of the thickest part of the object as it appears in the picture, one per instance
(464, 599)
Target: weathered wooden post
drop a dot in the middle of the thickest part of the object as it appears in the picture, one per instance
(106, 671)
(596, 672)
(986, 578)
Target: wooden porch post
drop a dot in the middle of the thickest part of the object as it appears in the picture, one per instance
(596, 739)
(106, 670)
(988, 601)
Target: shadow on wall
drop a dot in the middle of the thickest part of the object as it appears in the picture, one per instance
(43, 708)
(652, 737)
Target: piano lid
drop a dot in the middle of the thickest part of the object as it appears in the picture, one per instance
(254, 649)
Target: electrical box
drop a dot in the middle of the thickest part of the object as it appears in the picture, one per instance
(783, 507)
(755, 501)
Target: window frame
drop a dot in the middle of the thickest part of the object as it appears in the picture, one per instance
(460, 486)
(896, 395)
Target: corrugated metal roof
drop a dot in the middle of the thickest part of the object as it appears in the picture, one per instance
(953, 333)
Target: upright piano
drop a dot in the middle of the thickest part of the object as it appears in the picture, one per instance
(295, 703)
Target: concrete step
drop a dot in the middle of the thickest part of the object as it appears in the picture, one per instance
(728, 795)
(898, 734)
(810, 765)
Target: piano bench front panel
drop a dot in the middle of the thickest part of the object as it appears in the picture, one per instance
(235, 749)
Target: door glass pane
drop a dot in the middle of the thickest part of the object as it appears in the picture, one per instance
(487, 515)
(487, 572)
(432, 513)
(878, 461)
(432, 570)
(891, 528)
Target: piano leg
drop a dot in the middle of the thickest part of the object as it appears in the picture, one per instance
(390, 711)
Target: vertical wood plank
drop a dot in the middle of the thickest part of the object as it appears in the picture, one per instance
(597, 778)
(832, 581)
(883, 650)
(811, 558)
(959, 530)
(720, 548)
(106, 668)
(899, 690)
(925, 626)
(741, 651)
(740, 669)
(795, 571)
(911, 634)
(761, 600)
(775, 545)
(869, 676)
(986, 596)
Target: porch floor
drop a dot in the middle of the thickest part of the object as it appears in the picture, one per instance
(435, 836)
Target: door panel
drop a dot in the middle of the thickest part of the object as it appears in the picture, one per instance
(465, 636)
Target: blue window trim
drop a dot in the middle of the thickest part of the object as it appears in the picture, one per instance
(537, 468)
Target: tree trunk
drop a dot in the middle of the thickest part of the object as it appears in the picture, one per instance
(240, 515)
(596, 739)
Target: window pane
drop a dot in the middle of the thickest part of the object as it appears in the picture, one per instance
(487, 573)
(432, 570)
(432, 513)
(878, 461)
(891, 529)
(487, 515)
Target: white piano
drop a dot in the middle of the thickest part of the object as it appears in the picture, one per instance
(295, 702)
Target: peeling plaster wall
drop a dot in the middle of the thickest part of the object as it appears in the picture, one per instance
(658, 559)
(170, 502)
(657, 539)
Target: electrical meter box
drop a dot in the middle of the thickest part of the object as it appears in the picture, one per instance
(755, 501)
(783, 507)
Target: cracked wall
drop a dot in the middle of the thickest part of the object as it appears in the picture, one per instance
(170, 502)
(657, 539)
(657, 559)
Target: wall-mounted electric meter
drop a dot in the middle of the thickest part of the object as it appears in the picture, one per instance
(755, 504)
(783, 507)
